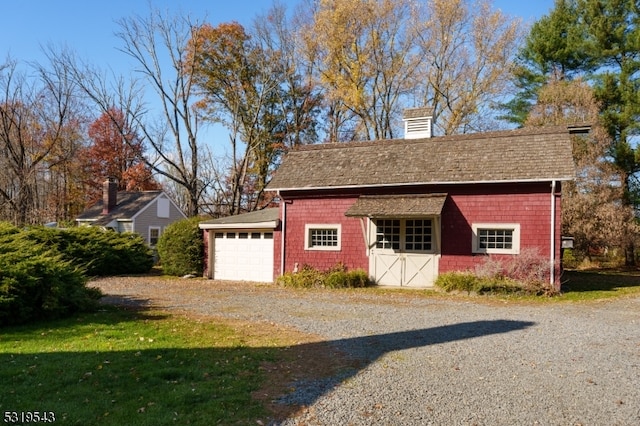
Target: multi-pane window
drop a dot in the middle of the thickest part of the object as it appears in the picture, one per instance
(418, 235)
(388, 234)
(322, 237)
(404, 234)
(496, 238)
(154, 235)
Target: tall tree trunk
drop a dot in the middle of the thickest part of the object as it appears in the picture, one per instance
(630, 254)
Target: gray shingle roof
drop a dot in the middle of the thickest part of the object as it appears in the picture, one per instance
(258, 216)
(128, 204)
(381, 206)
(534, 154)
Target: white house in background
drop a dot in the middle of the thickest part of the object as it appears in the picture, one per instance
(147, 213)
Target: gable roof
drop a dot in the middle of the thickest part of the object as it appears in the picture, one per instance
(523, 155)
(129, 204)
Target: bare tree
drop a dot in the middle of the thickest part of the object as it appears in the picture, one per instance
(37, 122)
(157, 45)
(468, 50)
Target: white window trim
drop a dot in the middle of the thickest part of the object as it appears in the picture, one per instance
(515, 227)
(307, 234)
(149, 236)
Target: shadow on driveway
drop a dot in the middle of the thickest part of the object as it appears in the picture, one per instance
(368, 349)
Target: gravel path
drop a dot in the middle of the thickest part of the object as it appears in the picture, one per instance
(431, 361)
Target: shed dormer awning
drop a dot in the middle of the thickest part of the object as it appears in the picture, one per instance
(397, 206)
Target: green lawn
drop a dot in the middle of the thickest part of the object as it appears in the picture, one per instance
(118, 367)
(599, 284)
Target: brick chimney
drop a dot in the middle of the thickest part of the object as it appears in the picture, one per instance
(417, 123)
(109, 194)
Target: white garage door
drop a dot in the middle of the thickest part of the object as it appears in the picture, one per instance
(243, 255)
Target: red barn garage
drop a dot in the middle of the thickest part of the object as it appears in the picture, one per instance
(409, 209)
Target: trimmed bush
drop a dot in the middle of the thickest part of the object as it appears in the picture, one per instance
(37, 282)
(336, 277)
(181, 248)
(457, 281)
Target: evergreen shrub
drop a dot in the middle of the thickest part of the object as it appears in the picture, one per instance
(37, 281)
(181, 248)
(98, 252)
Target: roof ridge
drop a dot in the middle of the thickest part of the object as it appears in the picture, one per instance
(522, 131)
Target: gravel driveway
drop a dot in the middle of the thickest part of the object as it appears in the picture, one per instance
(437, 361)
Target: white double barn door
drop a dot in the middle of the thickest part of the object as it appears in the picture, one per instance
(404, 252)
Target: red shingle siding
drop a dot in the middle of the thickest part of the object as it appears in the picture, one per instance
(528, 205)
(205, 236)
(330, 211)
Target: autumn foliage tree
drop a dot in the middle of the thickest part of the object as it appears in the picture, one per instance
(39, 128)
(246, 86)
(374, 58)
(115, 151)
(591, 209)
(468, 49)
(599, 41)
(364, 56)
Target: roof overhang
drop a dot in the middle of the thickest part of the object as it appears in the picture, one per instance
(397, 206)
(272, 224)
(260, 219)
(390, 185)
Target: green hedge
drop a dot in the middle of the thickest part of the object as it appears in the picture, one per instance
(96, 251)
(43, 271)
(37, 282)
(181, 248)
(471, 283)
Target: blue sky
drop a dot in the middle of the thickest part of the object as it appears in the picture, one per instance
(87, 26)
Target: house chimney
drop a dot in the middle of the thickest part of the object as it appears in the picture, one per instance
(417, 122)
(109, 194)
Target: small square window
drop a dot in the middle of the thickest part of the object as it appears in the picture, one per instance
(255, 235)
(231, 235)
(322, 237)
(496, 238)
(218, 235)
(243, 235)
